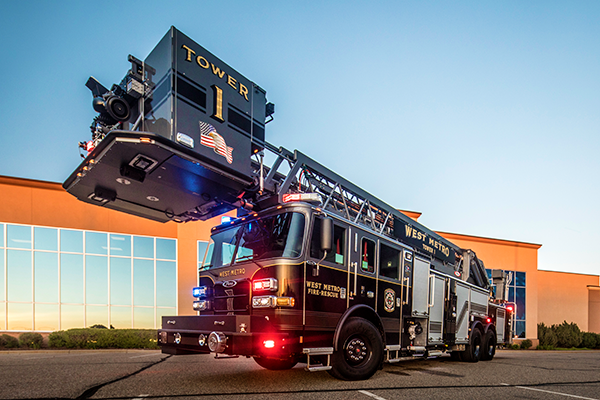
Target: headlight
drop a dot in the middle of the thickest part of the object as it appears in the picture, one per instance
(202, 305)
(264, 301)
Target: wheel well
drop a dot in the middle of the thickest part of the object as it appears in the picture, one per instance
(362, 311)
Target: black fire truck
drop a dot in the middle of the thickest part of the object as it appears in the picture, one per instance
(313, 269)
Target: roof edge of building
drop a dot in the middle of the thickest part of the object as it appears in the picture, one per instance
(484, 239)
(32, 183)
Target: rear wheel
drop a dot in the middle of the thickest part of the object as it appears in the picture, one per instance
(360, 351)
(276, 364)
(489, 346)
(472, 352)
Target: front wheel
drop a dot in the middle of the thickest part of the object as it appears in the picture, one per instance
(275, 364)
(360, 351)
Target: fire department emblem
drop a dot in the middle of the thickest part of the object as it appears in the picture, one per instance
(389, 300)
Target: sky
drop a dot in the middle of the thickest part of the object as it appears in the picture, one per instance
(483, 116)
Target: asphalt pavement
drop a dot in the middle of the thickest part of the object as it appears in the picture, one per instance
(139, 374)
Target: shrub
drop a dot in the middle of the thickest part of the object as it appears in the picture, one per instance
(102, 338)
(590, 340)
(525, 344)
(9, 342)
(98, 326)
(547, 337)
(31, 340)
(567, 335)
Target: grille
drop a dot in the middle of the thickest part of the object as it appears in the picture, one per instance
(232, 300)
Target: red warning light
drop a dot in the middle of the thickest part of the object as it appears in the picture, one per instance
(510, 308)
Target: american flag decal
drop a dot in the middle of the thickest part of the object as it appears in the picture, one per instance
(210, 138)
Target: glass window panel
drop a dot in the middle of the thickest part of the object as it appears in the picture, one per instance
(164, 312)
(71, 278)
(520, 329)
(143, 247)
(389, 261)
(143, 282)
(96, 243)
(2, 315)
(120, 245)
(46, 317)
(520, 279)
(166, 249)
(20, 317)
(45, 239)
(143, 318)
(511, 294)
(120, 317)
(520, 300)
(120, 281)
(46, 277)
(489, 274)
(96, 280)
(19, 275)
(71, 316)
(96, 315)
(166, 287)
(1, 277)
(201, 250)
(71, 241)
(18, 236)
(1, 235)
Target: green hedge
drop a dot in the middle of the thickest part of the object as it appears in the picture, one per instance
(8, 342)
(98, 338)
(566, 335)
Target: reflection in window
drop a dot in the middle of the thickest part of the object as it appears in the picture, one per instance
(1, 277)
(96, 243)
(336, 255)
(96, 315)
(45, 239)
(71, 241)
(166, 249)
(163, 312)
(1, 235)
(19, 237)
(120, 317)
(143, 317)
(71, 316)
(71, 278)
(143, 282)
(166, 284)
(46, 317)
(20, 316)
(96, 280)
(120, 281)
(517, 294)
(19, 275)
(46, 277)
(143, 247)
(120, 245)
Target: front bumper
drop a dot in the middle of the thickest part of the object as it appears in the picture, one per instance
(237, 335)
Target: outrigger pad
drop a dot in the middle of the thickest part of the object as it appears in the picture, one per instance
(150, 176)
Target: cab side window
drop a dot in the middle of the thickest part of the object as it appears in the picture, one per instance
(389, 261)
(367, 255)
(336, 255)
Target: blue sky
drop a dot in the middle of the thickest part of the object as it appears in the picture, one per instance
(484, 116)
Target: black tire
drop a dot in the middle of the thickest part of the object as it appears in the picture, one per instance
(360, 351)
(489, 346)
(474, 348)
(275, 364)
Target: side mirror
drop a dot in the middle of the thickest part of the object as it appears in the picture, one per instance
(327, 234)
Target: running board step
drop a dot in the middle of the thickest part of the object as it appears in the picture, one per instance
(318, 351)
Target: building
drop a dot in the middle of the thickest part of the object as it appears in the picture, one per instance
(67, 264)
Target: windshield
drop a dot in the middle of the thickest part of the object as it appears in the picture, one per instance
(275, 236)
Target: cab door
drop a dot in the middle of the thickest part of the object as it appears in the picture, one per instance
(362, 272)
(390, 291)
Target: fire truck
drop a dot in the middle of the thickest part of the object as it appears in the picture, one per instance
(312, 269)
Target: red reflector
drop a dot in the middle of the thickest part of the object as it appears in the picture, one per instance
(291, 197)
(89, 146)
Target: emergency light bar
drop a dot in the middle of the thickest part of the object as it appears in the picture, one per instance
(308, 197)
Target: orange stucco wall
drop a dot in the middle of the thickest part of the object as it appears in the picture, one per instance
(594, 311)
(508, 255)
(565, 297)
